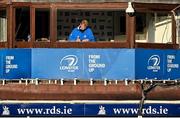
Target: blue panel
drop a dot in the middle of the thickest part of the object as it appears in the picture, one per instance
(96, 110)
(109, 63)
(89, 63)
(172, 64)
(17, 63)
(149, 64)
(57, 63)
(1, 63)
(132, 110)
(42, 109)
(83, 63)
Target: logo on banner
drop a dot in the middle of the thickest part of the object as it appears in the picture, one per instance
(6, 111)
(69, 63)
(102, 111)
(153, 63)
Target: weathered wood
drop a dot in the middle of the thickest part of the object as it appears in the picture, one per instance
(144, 7)
(130, 30)
(156, 46)
(101, 1)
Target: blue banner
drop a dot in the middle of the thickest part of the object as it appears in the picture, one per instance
(109, 63)
(157, 64)
(149, 64)
(83, 63)
(113, 64)
(17, 63)
(172, 64)
(57, 63)
(42, 109)
(1, 62)
(96, 110)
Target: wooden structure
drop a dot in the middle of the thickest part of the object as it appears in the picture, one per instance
(68, 91)
(12, 9)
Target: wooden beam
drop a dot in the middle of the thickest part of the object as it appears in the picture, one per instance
(93, 6)
(13, 26)
(32, 25)
(156, 45)
(55, 23)
(145, 7)
(130, 30)
(9, 26)
(91, 45)
(173, 30)
(53, 26)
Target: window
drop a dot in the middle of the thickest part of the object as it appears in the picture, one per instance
(22, 26)
(154, 27)
(3, 25)
(178, 25)
(42, 26)
(106, 25)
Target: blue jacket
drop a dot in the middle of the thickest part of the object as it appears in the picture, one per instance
(86, 34)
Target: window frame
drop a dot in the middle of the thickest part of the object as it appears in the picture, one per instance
(130, 25)
(20, 44)
(6, 43)
(91, 7)
(149, 8)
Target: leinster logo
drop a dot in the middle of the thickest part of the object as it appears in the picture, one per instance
(69, 63)
(153, 63)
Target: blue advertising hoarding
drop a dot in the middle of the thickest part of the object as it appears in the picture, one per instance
(83, 63)
(114, 64)
(172, 64)
(57, 63)
(17, 63)
(89, 109)
(109, 63)
(1, 62)
(149, 64)
(157, 64)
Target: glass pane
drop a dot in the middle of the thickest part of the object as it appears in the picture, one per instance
(105, 25)
(178, 25)
(153, 27)
(42, 24)
(22, 27)
(3, 25)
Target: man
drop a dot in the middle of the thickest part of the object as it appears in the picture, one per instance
(82, 33)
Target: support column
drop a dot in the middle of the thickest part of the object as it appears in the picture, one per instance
(130, 30)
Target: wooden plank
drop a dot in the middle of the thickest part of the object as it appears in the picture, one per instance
(153, 7)
(130, 30)
(102, 1)
(156, 46)
(91, 45)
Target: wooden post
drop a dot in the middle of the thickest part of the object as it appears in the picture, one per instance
(53, 24)
(130, 30)
(32, 25)
(9, 25)
(173, 30)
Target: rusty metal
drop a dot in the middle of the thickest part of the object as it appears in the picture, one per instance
(84, 91)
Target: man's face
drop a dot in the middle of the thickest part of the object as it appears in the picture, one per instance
(82, 26)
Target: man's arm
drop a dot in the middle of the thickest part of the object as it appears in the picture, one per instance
(73, 35)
